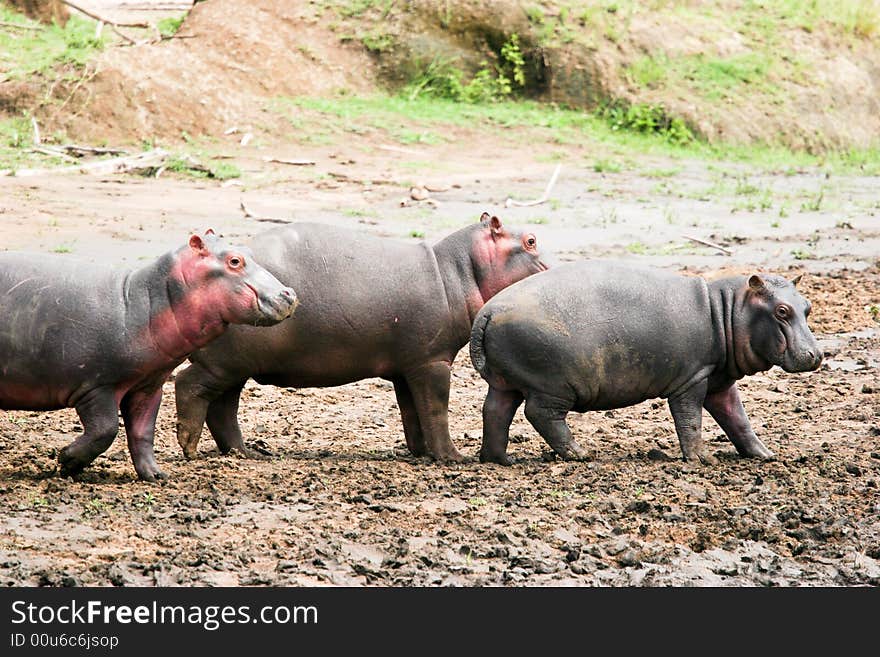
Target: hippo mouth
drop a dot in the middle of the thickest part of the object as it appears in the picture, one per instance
(276, 308)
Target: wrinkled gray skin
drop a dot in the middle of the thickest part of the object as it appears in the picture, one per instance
(103, 340)
(371, 307)
(600, 335)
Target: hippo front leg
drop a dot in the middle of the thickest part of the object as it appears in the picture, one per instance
(727, 409)
(139, 410)
(100, 419)
(412, 430)
(429, 386)
(687, 413)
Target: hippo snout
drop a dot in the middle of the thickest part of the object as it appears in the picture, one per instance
(808, 360)
(285, 303)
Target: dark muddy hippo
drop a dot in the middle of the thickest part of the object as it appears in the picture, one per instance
(100, 340)
(371, 307)
(600, 335)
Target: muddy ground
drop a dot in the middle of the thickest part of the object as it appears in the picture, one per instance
(339, 501)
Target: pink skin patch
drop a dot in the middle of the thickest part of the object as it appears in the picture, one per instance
(208, 305)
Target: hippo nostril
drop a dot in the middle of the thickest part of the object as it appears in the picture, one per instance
(811, 354)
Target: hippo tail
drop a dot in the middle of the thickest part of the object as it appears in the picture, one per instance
(477, 347)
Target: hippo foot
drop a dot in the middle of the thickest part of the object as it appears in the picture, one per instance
(452, 456)
(571, 452)
(757, 451)
(500, 459)
(150, 473)
(701, 458)
(69, 465)
(246, 453)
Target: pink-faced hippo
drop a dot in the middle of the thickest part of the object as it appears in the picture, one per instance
(371, 307)
(103, 340)
(601, 335)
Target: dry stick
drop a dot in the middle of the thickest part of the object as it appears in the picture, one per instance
(259, 217)
(20, 26)
(101, 19)
(713, 245)
(53, 152)
(510, 202)
(97, 150)
(296, 163)
(37, 140)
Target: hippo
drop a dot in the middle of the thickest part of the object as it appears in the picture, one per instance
(371, 307)
(103, 340)
(599, 335)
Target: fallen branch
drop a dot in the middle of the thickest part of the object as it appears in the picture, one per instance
(37, 140)
(20, 26)
(101, 19)
(78, 150)
(296, 163)
(713, 245)
(146, 161)
(260, 217)
(398, 149)
(521, 204)
(54, 152)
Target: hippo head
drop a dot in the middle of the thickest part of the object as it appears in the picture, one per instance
(501, 257)
(229, 279)
(776, 327)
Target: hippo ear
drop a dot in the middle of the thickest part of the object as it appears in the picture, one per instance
(796, 279)
(495, 225)
(210, 231)
(756, 283)
(484, 218)
(197, 244)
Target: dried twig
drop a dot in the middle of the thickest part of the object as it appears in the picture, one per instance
(296, 163)
(78, 150)
(260, 217)
(713, 245)
(398, 149)
(101, 19)
(510, 202)
(37, 140)
(20, 26)
(54, 152)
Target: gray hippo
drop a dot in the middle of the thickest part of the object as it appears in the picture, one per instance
(101, 340)
(599, 335)
(371, 307)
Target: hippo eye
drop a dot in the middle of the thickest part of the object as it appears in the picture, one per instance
(529, 241)
(235, 262)
(783, 312)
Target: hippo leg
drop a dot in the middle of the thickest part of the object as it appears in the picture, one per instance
(139, 410)
(193, 393)
(498, 411)
(223, 422)
(412, 430)
(687, 413)
(430, 392)
(100, 420)
(727, 409)
(547, 414)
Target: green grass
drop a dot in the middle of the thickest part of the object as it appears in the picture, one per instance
(24, 53)
(169, 26)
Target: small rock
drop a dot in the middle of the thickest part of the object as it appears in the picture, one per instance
(628, 558)
(853, 469)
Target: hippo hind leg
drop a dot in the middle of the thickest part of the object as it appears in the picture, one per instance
(430, 392)
(100, 419)
(194, 390)
(412, 430)
(498, 411)
(223, 423)
(547, 414)
(139, 411)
